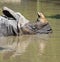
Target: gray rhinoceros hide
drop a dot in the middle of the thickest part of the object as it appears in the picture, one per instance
(7, 27)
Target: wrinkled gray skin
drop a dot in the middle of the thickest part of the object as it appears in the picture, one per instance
(31, 29)
(10, 25)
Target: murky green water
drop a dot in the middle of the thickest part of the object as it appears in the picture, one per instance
(33, 48)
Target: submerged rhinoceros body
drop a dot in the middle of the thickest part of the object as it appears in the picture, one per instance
(8, 27)
(12, 23)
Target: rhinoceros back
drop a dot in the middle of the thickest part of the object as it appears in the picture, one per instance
(7, 27)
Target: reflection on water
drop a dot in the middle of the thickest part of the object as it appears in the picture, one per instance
(14, 46)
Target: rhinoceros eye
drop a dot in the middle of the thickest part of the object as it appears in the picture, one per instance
(39, 16)
(38, 19)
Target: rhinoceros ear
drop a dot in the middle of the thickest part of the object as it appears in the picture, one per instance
(40, 15)
(42, 18)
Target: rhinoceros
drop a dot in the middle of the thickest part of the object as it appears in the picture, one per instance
(13, 23)
(40, 26)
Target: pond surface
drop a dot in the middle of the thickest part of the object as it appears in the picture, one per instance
(33, 48)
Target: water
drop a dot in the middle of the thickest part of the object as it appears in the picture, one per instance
(33, 48)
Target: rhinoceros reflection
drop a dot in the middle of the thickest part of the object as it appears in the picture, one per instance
(14, 46)
(42, 41)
